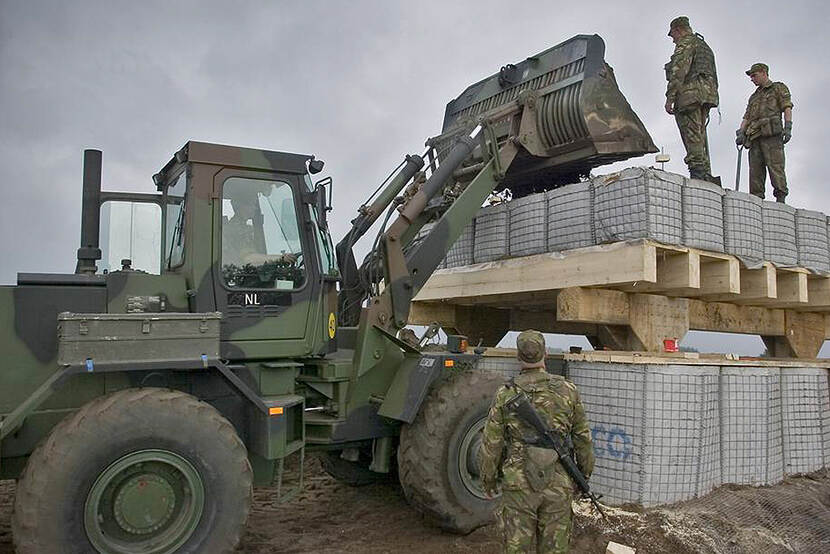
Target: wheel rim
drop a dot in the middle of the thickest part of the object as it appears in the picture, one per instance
(149, 501)
(468, 459)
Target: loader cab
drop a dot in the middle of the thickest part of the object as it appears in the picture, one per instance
(244, 227)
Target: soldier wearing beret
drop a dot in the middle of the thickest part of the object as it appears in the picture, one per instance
(536, 513)
(762, 132)
(691, 92)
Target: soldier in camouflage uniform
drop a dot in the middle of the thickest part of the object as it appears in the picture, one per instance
(692, 91)
(761, 131)
(536, 513)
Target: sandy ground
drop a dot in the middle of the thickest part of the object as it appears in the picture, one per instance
(330, 517)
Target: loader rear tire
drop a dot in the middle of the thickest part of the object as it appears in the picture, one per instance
(438, 452)
(141, 470)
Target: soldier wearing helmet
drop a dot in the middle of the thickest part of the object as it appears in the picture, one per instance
(535, 513)
(691, 92)
(761, 131)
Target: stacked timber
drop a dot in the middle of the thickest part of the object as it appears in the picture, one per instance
(646, 203)
(632, 258)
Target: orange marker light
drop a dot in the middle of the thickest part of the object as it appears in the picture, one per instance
(277, 410)
(449, 363)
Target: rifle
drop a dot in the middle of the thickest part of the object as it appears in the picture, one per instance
(549, 438)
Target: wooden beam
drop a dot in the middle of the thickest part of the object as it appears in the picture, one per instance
(791, 285)
(598, 265)
(805, 332)
(580, 305)
(720, 276)
(546, 322)
(818, 293)
(424, 313)
(653, 318)
(678, 271)
(731, 318)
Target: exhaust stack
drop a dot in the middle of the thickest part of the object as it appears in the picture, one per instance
(90, 250)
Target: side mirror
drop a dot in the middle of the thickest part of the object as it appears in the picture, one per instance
(315, 166)
(323, 203)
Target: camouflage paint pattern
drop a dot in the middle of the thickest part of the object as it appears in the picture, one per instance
(580, 119)
(536, 521)
(692, 90)
(299, 326)
(534, 511)
(691, 122)
(766, 154)
(764, 134)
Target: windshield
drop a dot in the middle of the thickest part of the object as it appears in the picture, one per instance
(328, 263)
(174, 205)
(261, 245)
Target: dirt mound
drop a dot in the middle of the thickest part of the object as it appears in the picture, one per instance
(327, 516)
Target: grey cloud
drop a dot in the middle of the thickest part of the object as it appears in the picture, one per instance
(360, 84)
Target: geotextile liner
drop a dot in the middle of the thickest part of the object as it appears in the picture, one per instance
(811, 236)
(780, 245)
(528, 225)
(638, 203)
(743, 227)
(570, 217)
(703, 215)
(491, 232)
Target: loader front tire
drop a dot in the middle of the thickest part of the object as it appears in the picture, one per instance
(141, 470)
(438, 452)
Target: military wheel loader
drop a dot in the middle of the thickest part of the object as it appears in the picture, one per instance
(138, 409)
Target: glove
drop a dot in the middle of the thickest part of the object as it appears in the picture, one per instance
(740, 137)
(788, 131)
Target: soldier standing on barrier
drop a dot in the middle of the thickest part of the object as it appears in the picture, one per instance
(692, 91)
(761, 131)
(536, 513)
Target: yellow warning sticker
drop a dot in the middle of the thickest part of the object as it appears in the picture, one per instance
(332, 325)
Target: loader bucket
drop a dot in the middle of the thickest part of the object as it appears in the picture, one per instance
(582, 120)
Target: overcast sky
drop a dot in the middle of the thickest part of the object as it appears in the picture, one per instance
(357, 83)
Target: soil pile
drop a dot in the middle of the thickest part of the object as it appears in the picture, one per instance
(328, 516)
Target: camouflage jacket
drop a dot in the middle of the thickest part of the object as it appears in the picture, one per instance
(691, 74)
(763, 111)
(504, 448)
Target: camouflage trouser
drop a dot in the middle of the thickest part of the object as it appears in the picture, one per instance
(691, 121)
(767, 154)
(536, 521)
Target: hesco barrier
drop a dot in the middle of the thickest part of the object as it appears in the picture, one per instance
(752, 447)
(668, 432)
(461, 252)
(811, 237)
(646, 203)
(743, 225)
(528, 225)
(491, 232)
(780, 246)
(638, 203)
(570, 219)
(703, 215)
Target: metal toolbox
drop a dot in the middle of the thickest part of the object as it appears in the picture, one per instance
(145, 337)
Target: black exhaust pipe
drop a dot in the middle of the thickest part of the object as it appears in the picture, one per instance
(89, 252)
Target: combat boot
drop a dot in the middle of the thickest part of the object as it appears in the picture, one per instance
(781, 199)
(697, 174)
(714, 180)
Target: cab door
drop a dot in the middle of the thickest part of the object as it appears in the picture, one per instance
(265, 274)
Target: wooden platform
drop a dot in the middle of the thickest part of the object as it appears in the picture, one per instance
(630, 296)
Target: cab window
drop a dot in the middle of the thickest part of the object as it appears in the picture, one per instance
(174, 204)
(261, 245)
